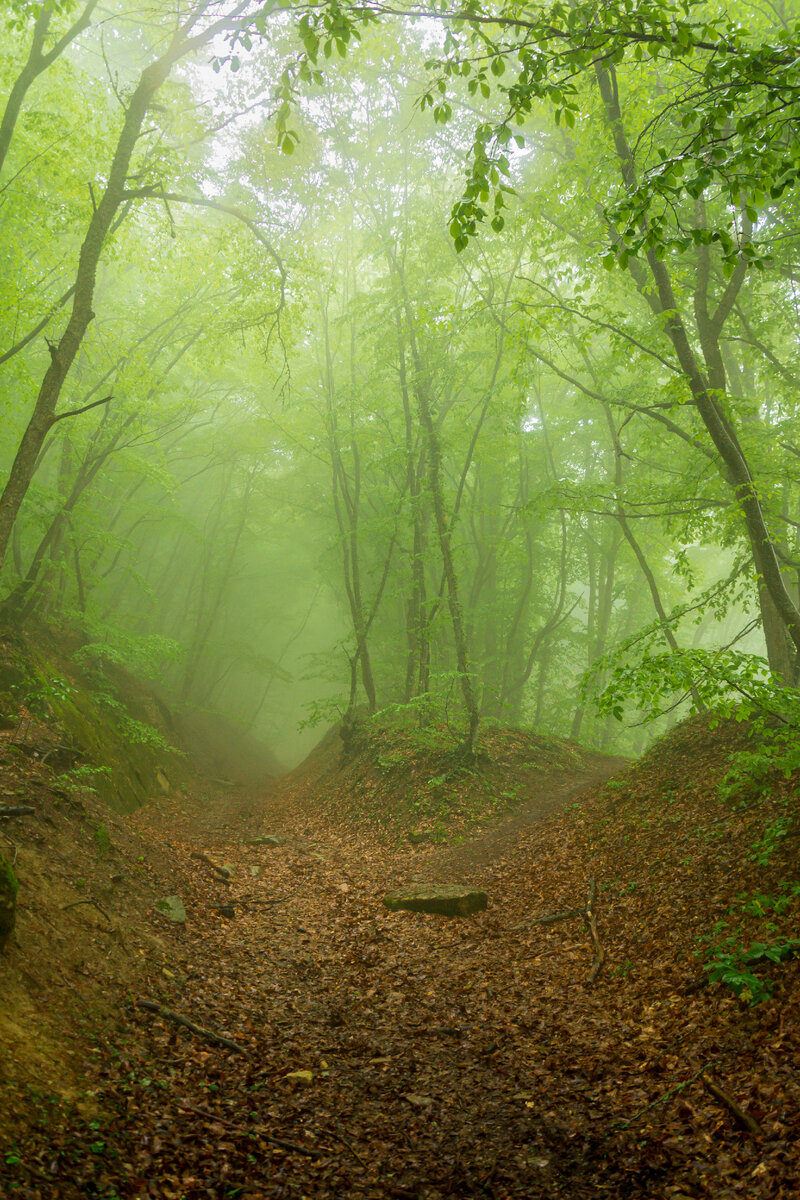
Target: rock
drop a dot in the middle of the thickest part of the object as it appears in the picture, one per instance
(162, 782)
(172, 908)
(448, 900)
(255, 872)
(270, 839)
(229, 869)
(8, 901)
(303, 1078)
(418, 838)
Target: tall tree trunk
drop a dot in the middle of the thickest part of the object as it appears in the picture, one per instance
(707, 390)
(63, 353)
(434, 465)
(36, 64)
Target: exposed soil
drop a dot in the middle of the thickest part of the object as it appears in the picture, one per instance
(466, 1057)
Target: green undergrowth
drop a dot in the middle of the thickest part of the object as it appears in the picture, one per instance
(93, 724)
(417, 779)
(665, 836)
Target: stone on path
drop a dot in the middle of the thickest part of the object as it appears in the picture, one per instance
(270, 839)
(303, 1078)
(172, 908)
(448, 899)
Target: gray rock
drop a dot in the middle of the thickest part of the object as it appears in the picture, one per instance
(172, 908)
(270, 839)
(448, 900)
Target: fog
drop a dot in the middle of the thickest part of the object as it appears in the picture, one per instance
(300, 420)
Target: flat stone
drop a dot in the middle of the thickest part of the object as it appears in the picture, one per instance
(447, 900)
(270, 839)
(172, 908)
(301, 1078)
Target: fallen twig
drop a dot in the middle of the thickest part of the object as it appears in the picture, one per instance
(209, 1034)
(550, 918)
(245, 902)
(16, 810)
(222, 873)
(93, 903)
(745, 1120)
(662, 1099)
(599, 952)
(332, 1133)
(256, 1129)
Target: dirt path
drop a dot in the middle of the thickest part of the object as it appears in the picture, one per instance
(459, 863)
(391, 1055)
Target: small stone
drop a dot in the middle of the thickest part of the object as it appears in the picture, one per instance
(269, 839)
(299, 1078)
(255, 872)
(447, 900)
(172, 908)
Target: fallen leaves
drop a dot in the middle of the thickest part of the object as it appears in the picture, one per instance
(441, 1060)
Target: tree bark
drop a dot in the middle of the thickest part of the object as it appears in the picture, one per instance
(114, 195)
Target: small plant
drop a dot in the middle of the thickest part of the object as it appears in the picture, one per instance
(730, 962)
(760, 905)
(137, 733)
(765, 847)
(40, 700)
(102, 840)
(82, 779)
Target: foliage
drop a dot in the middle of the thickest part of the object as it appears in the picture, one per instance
(9, 878)
(102, 841)
(144, 655)
(726, 683)
(728, 961)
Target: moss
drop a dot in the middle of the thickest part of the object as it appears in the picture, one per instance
(102, 841)
(9, 884)
(8, 900)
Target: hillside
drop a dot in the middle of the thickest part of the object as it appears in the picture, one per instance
(411, 1033)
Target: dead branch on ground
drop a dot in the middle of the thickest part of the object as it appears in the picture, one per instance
(588, 915)
(222, 873)
(599, 952)
(745, 1120)
(209, 1034)
(92, 903)
(256, 1129)
(663, 1098)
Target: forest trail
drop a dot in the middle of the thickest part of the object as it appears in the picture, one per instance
(381, 1054)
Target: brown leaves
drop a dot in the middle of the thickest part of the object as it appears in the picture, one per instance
(446, 1060)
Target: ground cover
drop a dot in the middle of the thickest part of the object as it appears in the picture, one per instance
(398, 1054)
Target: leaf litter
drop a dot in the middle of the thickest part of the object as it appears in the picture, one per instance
(403, 1055)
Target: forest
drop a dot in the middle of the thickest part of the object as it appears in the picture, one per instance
(423, 378)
